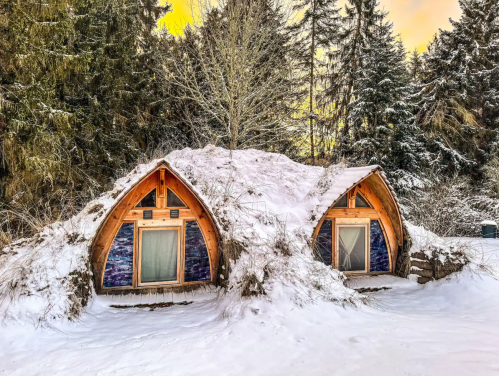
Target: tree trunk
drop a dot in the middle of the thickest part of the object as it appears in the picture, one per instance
(311, 104)
(346, 99)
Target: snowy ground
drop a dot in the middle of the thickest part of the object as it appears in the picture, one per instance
(450, 327)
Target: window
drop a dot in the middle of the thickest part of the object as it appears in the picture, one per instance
(159, 255)
(119, 264)
(197, 262)
(172, 200)
(149, 201)
(324, 244)
(379, 251)
(342, 202)
(361, 202)
(352, 244)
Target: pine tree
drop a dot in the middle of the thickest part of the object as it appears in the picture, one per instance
(358, 25)
(380, 99)
(459, 103)
(76, 88)
(121, 97)
(316, 30)
(415, 66)
(38, 125)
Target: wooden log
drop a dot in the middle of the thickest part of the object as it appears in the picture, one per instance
(422, 264)
(423, 280)
(422, 272)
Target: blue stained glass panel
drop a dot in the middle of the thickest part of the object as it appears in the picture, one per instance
(379, 250)
(324, 243)
(119, 265)
(197, 263)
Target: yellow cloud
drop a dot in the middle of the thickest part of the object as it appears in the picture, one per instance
(415, 20)
(178, 18)
(418, 20)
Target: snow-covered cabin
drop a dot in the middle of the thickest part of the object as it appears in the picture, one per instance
(250, 221)
(362, 230)
(161, 233)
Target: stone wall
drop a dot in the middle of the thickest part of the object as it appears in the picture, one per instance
(433, 268)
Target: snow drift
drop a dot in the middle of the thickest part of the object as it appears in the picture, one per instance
(265, 206)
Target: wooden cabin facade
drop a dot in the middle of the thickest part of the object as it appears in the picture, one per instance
(362, 231)
(158, 235)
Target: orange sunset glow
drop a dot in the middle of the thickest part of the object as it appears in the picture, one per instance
(415, 20)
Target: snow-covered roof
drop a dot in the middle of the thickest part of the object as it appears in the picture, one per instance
(257, 198)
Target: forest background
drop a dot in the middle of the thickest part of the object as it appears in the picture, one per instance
(90, 88)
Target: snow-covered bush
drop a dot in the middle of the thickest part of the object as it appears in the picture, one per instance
(450, 208)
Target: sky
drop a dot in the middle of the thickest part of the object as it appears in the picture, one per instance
(415, 20)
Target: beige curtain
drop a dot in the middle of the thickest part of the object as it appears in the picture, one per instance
(159, 256)
(348, 238)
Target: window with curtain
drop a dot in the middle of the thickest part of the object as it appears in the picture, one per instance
(159, 255)
(352, 248)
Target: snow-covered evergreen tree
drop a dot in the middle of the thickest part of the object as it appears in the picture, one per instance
(415, 66)
(379, 102)
(77, 91)
(316, 30)
(459, 99)
(381, 112)
(358, 24)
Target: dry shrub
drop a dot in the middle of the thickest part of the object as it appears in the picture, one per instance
(81, 287)
(450, 208)
(281, 241)
(95, 208)
(231, 250)
(22, 220)
(251, 286)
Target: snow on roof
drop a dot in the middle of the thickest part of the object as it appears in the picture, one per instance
(264, 201)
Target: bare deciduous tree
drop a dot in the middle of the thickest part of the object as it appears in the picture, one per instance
(237, 75)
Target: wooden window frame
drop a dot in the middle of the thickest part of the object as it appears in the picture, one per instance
(343, 215)
(179, 257)
(353, 222)
(162, 180)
